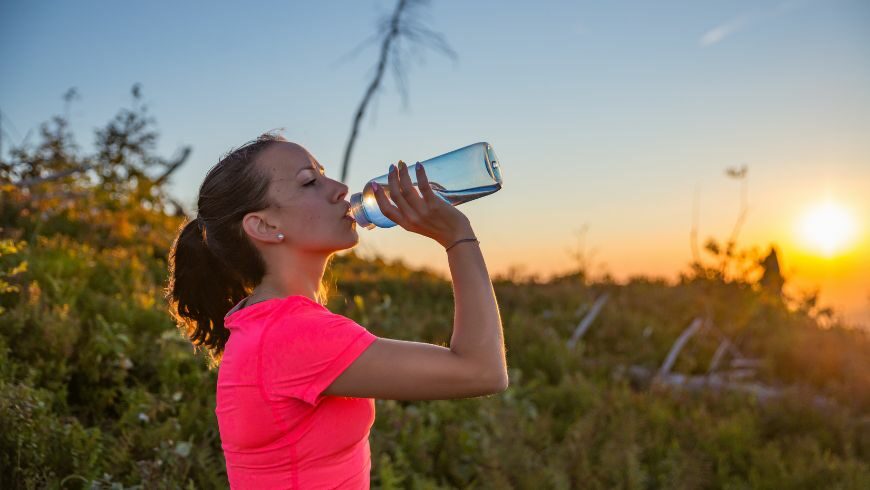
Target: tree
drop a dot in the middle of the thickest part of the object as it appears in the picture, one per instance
(53, 186)
(402, 24)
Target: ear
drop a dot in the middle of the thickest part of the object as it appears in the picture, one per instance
(259, 228)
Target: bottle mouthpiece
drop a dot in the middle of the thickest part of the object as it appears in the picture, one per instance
(358, 211)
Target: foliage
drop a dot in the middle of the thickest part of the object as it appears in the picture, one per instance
(99, 390)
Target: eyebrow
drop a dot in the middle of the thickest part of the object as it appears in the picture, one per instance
(321, 167)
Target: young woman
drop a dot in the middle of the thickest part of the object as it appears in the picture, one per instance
(296, 382)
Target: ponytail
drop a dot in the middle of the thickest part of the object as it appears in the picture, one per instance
(212, 263)
(201, 291)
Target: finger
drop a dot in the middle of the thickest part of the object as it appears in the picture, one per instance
(424, 186)
(396, 194)
(412, 197)
(386, 207)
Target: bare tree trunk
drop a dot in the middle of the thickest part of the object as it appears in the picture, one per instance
(392, 33)
(400, 25)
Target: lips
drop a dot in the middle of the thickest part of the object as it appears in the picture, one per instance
(348, 215)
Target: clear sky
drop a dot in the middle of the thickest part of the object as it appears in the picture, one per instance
(608, 114)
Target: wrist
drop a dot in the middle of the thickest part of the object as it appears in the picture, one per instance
(459, 233)
(461, 240)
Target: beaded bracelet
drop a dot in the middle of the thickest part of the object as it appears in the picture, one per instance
(457, 242)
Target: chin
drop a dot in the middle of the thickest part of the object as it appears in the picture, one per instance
(353, 242)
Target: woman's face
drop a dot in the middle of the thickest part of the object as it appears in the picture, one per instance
(308, 207)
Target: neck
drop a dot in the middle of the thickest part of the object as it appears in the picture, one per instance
(291, 274)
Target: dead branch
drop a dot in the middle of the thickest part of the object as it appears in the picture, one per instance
(173, 166)
(693, 234)
(718, 383)
(740, 174)
(55, 176)
(396, 28)
(717, 356)
(684, 337)
(584, 324)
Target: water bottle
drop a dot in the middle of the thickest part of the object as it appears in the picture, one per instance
(458, 176)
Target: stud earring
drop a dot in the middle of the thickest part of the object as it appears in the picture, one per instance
(280, 236)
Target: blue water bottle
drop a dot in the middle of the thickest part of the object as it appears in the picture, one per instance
(459, 176)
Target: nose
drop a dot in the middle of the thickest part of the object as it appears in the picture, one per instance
(342, 191)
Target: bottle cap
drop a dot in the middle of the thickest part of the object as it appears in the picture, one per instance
(357, 210)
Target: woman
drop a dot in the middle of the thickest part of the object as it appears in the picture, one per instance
(296, 382)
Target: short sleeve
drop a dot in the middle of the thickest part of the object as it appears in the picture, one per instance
(301, 356)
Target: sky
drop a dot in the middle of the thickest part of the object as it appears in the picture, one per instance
(609, 117)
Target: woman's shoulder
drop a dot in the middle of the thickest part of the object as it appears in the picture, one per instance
(274, 309)
(309, 324)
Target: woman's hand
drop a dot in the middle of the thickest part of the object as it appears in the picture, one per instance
(426, 215)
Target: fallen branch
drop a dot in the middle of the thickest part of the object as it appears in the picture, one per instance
(684, 337)
(717, 356)
(719, 382)
(587, 320)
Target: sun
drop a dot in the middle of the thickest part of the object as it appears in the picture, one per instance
(827, 228)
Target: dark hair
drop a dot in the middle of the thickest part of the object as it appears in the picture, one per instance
(212, 263)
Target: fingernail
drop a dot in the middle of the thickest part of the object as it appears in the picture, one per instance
(393, 168)
(375, 186)
(419, 165)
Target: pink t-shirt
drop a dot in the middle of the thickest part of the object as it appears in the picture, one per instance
(277, 429)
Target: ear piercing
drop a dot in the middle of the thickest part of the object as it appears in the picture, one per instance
(280, 236)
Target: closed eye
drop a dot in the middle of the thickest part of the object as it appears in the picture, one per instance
(311, 182)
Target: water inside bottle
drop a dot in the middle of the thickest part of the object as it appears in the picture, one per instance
(454, 197)
(463, 195)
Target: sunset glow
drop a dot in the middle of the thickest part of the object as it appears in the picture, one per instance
(827, 228)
